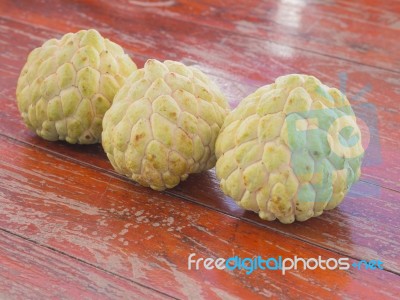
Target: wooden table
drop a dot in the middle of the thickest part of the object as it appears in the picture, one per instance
(70, 227)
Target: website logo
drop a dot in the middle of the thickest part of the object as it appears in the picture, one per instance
(279, 263)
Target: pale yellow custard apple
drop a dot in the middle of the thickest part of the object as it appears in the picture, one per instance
(163, 124)
(290, 150)
(67, 85)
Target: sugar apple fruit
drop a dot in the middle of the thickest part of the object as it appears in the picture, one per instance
(290, 150)
(163, 124)
(67, 85)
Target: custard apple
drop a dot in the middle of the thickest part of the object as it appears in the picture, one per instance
(67, 85)
(163, 124)
(290, 150)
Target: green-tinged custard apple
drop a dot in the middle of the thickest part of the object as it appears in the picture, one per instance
(67, 85)
(290, 150)
(163, 124)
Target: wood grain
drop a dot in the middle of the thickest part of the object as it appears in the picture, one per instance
(71, 227)
(146, 236)
(30, 271)
(380, 115)
(338, 29)
(263, 62)
(341, 29)
(365, 226)
(366, 204)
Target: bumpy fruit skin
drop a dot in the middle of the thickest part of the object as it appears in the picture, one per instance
(67, 85)
(290, 150)
(163, 124)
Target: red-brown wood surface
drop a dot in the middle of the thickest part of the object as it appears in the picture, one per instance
(71, 227)
(25, 265)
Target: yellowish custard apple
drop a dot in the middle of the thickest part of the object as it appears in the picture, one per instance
(163, 124)
(290, 150)
(67, 85)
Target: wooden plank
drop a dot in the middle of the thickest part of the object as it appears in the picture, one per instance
(29, 271)
(247, 69)
(377, 12)
(382, 163)
(251, 61)
(146, 236)
(347, 30)
(341, 29)
(369, 212)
